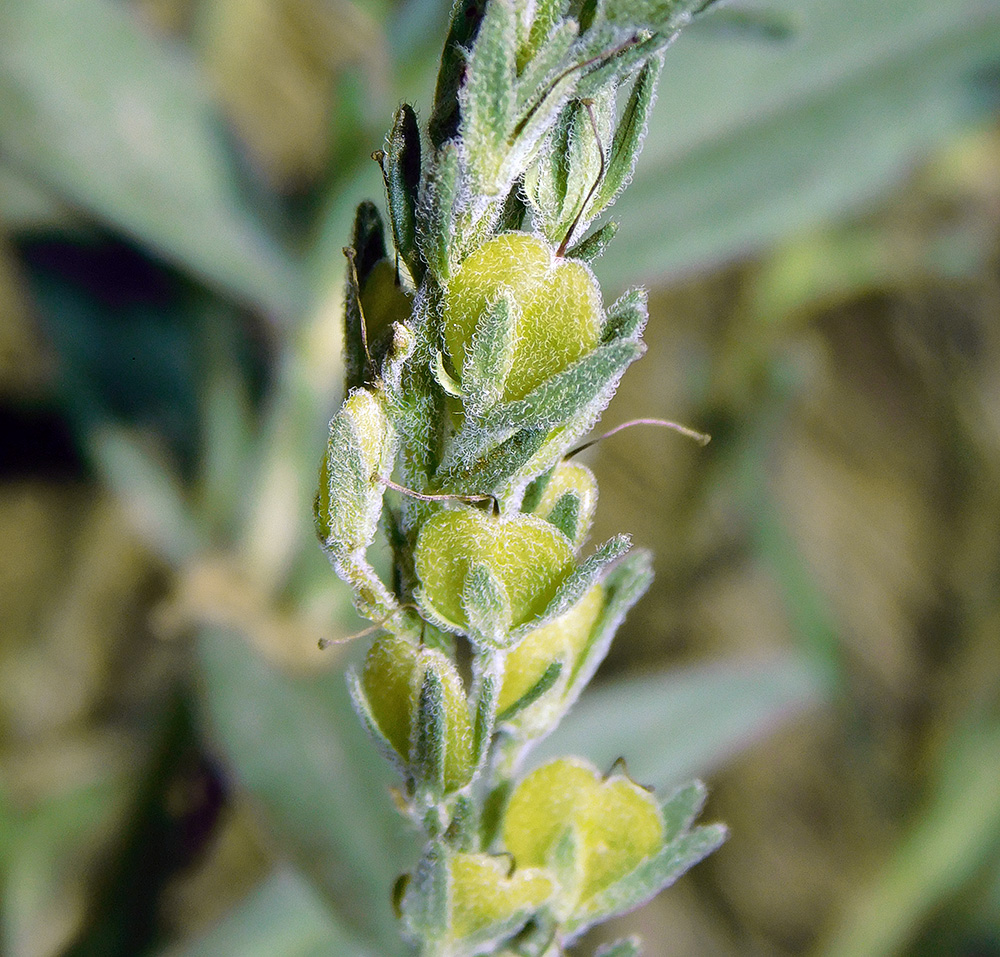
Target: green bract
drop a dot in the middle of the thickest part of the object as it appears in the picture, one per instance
(557, 308)
(526, 559)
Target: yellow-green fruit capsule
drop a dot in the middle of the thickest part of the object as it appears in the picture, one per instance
(558, 300)
(383, 300)
(616, 825)
(575, 480)
(484, 892)
(359, 450)
(529, 557)
(562, 639)
(391, 681)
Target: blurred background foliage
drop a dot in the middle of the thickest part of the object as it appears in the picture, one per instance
(818, 209)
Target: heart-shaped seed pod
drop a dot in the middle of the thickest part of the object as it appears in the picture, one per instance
(568, 499)
(523, 557)
(563, 639)
(615, 826)
(558, 305)
(394, 675)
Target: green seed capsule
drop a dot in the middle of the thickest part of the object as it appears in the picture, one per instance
(391, 681)
(558, 303)
(562, 639)
(527, 556)
(485, 894)
(615, 824)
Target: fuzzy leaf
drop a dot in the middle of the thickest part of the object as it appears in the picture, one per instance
(546, 16)
(627, 317)
(401, 167)
(578, 582)
(431, 727)
(624, 585)
(487, 98)
(466, 17)
(592, 247)
(490, 353)
(486, 607)
(629, 134)
(496, 467)
(435, 212)
(544, 69)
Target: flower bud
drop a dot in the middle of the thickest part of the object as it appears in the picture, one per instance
(392, 681)
(613, 826)
(526, 559)
(558, 301)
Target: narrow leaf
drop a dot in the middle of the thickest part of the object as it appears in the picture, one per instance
(487, 97)
(401, 167)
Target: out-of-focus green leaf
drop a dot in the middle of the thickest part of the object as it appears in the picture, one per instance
(101, 114)
(753, 140)
(683, 724)
(283, 917)
(297, 746)
(46, 852)
(957, 835)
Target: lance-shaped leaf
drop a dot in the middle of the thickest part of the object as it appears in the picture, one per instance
(430, 745)
(545, 16)
(486, 607)
(496, 467)
(487, 98)
(623, 586)
(490, 354)
(435, 212)
(546, 67)
(574, 397)
(592, 247)
(466, 16)
(401, 168)
(627, 317)
(629, 134)
(579, 581)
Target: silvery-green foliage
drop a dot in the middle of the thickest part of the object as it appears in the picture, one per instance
(478, 352)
